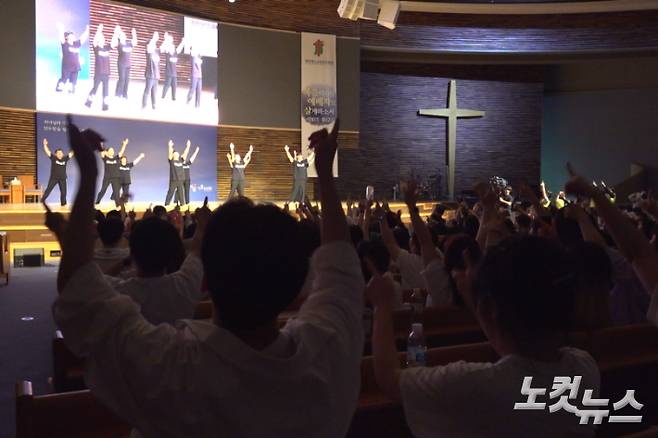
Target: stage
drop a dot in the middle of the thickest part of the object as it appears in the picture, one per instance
(27, 234)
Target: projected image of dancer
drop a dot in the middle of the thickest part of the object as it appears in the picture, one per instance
(171, 53)
(124, 171)
(58, 162)
(152, 71)
(176, 176)
(125, 48)
(196, 86)
(300, 173)
(238, 179)
(111, 175)
(101, 67)
(70, 58)
(187, 164)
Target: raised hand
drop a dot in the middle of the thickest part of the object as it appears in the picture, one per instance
(380, 290)
(251, 148)
(410, 192)
(83, 145)
(577, 185)
(232, 146)
(325, 145)
(286, 148)
(56, 222)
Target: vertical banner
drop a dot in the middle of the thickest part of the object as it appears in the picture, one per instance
(319, 95)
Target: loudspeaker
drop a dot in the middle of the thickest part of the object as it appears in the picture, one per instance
(355, 9)
(388, 14)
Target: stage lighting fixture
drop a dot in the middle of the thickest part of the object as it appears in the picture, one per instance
(384, 11)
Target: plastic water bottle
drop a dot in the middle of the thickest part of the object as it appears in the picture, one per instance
(416, 347)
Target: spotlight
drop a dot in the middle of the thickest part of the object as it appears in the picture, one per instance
(386, 12)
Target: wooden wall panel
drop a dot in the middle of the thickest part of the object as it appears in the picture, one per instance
(293, 15)
(394, 141)
(146, 22)
(517, 33)
(269, 176)
(17, 143)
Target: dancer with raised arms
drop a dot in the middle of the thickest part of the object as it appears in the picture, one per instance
(58, 162)
(300, 173)
(238, 165)
(111, 175)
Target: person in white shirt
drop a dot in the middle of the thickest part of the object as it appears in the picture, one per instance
(240, 375)
(110, 232)
(521, 296)
(410, 263)
(631, 243)
(163, 297)
(375, 257)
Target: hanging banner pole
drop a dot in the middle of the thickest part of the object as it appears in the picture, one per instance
(319, 91)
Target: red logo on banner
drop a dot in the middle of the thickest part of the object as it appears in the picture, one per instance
(319, 47)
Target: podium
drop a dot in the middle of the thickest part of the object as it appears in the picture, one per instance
(16, 193)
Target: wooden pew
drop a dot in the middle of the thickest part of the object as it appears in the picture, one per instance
(68, 369)
(69, 415)
(627, 358)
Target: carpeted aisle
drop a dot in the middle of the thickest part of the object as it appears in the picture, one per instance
(25, 352)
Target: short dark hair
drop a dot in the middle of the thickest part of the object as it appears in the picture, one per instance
(156, 246)
(356, 235)
(532, 284)
(59, 150)
(376, 252)
(159, 210)
(255, 259)
(110, 231)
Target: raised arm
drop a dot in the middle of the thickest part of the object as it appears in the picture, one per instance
(61, 32)
(134, 38)
(115, 36)
(98, 35)
(45, 148)
(170, 150)
(188, 144)
(232, 152)
(138, 159)
(587, 229)
(194, 155)
(381, 294)
(181, 46)
(247, 157)
(230, 159)
(78, 239)
(153, 43)
(334, 224)
(427, 248)
(630, 240)
(85, 35)
(287, 149)
(164, 47)
(389, 239)
(124, 143)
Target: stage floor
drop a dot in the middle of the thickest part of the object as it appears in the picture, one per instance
(24, 224)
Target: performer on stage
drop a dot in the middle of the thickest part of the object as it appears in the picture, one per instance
(186, 168)
(126, 48)
(196, 86)
(176, 176)
(70, 57)
(152, 71)
(171, 53)
(101, 67)
(238, 166)
(300, 173)
(111, 174)
(124, 171)
(58, 162)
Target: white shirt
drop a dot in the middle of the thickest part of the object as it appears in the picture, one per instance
(167, 298)
(108, 258)
(477, 399)
(437, 283)
(199, 380)
(397, 290)
(410, 266)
